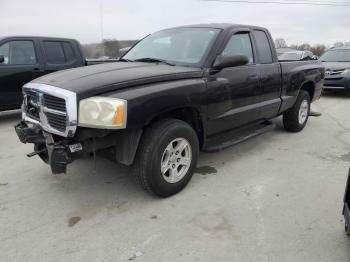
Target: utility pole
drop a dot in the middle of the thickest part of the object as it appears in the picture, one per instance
(101, 25)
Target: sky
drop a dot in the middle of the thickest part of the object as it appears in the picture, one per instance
(90, 21)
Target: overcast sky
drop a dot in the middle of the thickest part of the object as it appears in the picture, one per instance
(132, 19)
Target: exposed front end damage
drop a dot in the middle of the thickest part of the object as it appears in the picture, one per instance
(58, 154)
(50, 122)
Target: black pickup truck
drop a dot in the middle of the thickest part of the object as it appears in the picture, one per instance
(176, 92)
(24, 58)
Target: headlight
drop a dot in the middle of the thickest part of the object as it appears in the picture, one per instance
(103, 112)
(346, 71)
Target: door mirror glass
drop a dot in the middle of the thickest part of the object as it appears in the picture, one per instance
(223, 61)
(2, 59)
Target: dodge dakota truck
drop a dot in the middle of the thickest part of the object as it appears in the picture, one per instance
(175, 93)
(24, 58)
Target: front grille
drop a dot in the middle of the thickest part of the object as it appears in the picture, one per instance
(53, 108)
(336, 72)
(57, 121)
(55, 103)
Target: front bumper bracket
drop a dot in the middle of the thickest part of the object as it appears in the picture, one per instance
(57, 153)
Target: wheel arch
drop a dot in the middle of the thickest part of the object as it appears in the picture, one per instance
(188, 114)
(309, 87)
(128, 142)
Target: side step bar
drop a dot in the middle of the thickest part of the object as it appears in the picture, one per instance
(234, 137)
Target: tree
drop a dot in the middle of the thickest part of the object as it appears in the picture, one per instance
(280, 43)
(111, 48)
(318, 49)
(304, 47)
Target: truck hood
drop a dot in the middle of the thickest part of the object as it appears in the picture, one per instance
(98, 79)
(336, 65)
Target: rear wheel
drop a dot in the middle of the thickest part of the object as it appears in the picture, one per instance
(166, 157)
(295, 119)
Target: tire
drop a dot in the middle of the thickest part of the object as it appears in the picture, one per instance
(157, 149)
(294, 120)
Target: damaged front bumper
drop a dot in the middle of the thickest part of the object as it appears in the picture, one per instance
(346, 210)
(57, 153)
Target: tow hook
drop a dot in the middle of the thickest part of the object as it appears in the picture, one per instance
(44, 150)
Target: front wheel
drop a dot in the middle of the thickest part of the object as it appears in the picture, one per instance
(295, 119)
(167, 157)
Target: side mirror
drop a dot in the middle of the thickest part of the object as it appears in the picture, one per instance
(2, 59)
(230, 61)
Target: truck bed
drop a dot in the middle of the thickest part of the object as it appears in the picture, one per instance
(294, 75)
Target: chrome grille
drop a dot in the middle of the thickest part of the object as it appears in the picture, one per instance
(53, 108)
(330, 72)
(58, 122)
(55, 103)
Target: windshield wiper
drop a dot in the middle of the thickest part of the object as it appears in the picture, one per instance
(125, 60)
(153, 60)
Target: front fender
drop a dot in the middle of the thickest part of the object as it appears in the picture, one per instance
(146, 102)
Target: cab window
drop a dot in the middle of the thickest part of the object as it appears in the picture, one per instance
(263, 47)
(240, 44)
(18, 53)
(58, 52)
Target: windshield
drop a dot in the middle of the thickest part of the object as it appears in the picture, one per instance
(337, 55)
(179, 46)
(290, 56)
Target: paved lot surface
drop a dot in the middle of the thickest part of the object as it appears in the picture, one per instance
(274, 198)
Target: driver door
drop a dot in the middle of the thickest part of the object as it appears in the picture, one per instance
(232, 92)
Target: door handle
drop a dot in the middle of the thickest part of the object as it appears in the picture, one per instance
(36, 69)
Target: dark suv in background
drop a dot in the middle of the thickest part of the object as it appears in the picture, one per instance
(337, 64)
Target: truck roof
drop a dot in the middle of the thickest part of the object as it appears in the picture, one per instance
(37, 37)
(223, 26)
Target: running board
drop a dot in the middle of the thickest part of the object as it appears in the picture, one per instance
(237, 136)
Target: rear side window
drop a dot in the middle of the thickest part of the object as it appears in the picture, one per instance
(68, 52)
(240, 44)
(19, 52)
(263, 47)
(58, 52)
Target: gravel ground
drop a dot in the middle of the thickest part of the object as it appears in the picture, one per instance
(277, 197)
